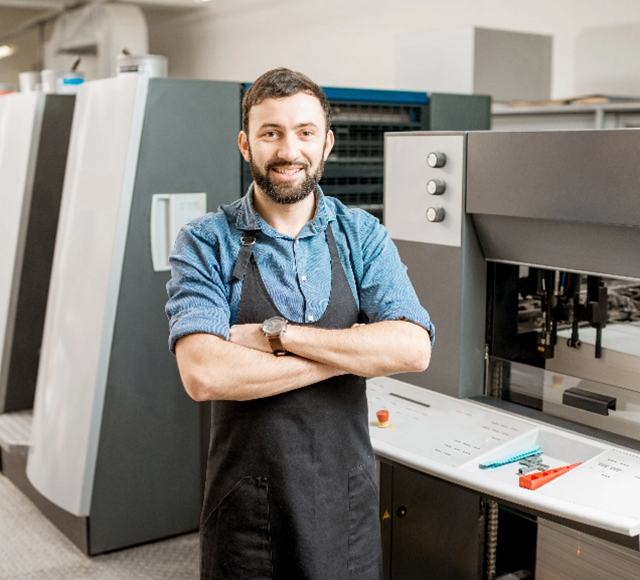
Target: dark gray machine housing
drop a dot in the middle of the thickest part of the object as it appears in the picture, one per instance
(188, 144)
(19, 359)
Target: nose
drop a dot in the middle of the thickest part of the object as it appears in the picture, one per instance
(289, 149)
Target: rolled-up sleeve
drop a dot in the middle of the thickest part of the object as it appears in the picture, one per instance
(197, 295)
(386, 292)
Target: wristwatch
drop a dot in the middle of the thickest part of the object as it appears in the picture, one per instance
(273, 329)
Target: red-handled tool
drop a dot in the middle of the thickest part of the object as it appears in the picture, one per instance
(536, 480)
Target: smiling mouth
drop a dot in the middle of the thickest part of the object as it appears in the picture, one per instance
(287, 171)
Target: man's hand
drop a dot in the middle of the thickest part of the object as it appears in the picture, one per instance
(368, 350)
(250, 336)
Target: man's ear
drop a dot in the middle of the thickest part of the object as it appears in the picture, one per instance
(328, 146)
(243, 145)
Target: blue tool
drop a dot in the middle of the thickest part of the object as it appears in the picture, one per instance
(513, 458)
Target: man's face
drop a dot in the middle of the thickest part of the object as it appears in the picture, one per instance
(287, 146)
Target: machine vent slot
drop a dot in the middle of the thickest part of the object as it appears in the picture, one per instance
(355, 168)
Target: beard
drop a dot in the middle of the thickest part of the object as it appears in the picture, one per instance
(286, 193)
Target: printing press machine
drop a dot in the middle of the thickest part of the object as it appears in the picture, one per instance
(524, 248)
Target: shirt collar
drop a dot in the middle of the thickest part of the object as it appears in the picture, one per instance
(247, 218)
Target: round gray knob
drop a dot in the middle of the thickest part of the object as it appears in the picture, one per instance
(436, 186)
(435, 214)
(436, 159)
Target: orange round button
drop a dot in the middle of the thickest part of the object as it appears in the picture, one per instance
(383, 418)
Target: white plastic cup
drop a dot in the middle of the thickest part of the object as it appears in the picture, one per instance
(30, 81)
(50, 81)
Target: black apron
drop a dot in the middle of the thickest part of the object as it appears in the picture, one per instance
(291, 492)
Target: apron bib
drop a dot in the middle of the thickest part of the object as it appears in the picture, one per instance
(290, 491)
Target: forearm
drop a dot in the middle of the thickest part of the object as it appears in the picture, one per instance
(368, 350)
(214, 369)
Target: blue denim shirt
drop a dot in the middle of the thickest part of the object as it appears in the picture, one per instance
(203, 297)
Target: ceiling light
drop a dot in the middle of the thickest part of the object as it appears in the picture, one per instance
(7, 50)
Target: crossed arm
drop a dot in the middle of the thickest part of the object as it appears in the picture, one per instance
(244, 368)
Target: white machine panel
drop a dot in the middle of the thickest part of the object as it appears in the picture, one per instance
(94, 214)
(20, 124)
(406, 199)
(169, 212)
(603, 492)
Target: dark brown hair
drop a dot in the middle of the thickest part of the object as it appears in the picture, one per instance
(277, 84)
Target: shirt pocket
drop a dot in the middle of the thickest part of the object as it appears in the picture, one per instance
(364, 527)
(236, 536)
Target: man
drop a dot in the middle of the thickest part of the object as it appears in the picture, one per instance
(290, 488)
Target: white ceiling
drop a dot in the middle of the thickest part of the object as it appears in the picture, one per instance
(57, 4)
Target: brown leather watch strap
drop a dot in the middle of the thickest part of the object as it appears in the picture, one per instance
(276, 345)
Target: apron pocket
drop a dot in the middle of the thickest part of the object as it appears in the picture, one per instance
(236, 537)
(364, 528)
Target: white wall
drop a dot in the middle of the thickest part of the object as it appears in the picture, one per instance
(351, 42)
(26, 56)
(597, 49)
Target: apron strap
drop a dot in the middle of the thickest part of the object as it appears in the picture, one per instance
(338, 270)
(246, 251)
(333, 247)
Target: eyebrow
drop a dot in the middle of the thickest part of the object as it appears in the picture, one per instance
(278, 126)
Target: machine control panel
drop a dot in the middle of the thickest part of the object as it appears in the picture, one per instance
(480, 448)
(415, 162)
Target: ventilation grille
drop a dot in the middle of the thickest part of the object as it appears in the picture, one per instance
(355, 168)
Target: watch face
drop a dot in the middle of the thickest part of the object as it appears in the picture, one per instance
(274, 326)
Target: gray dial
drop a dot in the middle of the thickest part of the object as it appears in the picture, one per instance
(436, 159)
(436, 186)
(274, 326)
(435, 214)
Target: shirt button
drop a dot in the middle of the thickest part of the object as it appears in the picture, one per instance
(297, 241)
(304, 278)
(310, 316)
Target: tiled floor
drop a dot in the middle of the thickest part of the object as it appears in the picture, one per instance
(31, 548)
